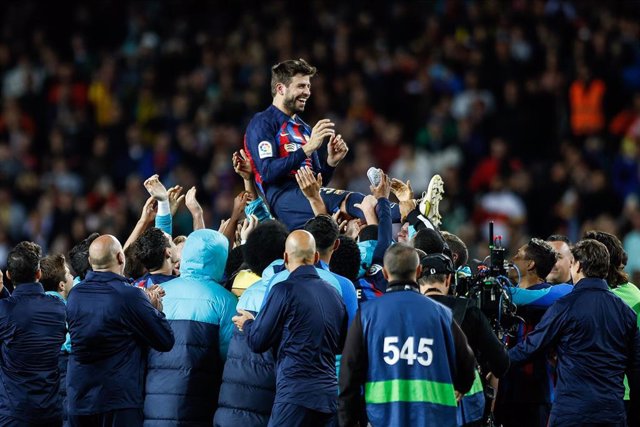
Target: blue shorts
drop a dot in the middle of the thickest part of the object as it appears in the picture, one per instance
(294, 210)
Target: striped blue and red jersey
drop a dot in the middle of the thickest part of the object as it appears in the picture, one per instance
(273, 142)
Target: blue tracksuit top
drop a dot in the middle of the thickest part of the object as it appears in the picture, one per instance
(182, 384)
(32, 329)
(112, 324)
(597, 340)
(304, 318)
(273, 142)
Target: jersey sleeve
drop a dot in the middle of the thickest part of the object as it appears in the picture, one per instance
(539, 298)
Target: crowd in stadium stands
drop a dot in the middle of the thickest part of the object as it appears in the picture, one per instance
(129, 132)
(515, 104)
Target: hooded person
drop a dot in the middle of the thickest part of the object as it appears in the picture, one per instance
(182, 385)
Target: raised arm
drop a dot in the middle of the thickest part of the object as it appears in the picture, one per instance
(158, 191)
(383, 209)
(242, 166)
(146, 219)
(310, 187)
(539, 298)
(196, 210)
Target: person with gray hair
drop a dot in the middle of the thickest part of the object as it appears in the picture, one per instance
(305, 321)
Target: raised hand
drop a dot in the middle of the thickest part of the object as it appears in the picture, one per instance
(309, 184)
(156, 189)
(320, 131)
(336, 150)
(242, 165)
(239, 203)
(194, 207)
(368, 208)
(191, 202)
(175, 198)
(402, 191)
(248, 225)
(383, 189)
(149, 210)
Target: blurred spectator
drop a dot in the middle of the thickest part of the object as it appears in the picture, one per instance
(120, 91)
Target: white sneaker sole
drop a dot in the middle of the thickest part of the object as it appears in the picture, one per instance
(430, 201)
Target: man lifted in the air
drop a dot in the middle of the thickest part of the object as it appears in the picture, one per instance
(277, 143)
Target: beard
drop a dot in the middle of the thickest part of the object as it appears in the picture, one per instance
(291, 104)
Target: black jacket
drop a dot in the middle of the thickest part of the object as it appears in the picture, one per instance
(488, 349)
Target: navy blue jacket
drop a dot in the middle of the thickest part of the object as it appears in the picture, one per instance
(249, 380)
(32, 329)
(182, 384)
(305, 319)
(597, 340)
(112, 324)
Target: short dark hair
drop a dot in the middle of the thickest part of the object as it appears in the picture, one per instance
(346, 259)
(593, 257)
(559, 238)
(23, 262)
(433, 278)
(325, 230)
(457, 247)
(430, 241)
(401, 261)
(235, 259)
(53, 271)
(542, 254)
(617, 256)
(264, 245)
(79, 256)
(150, 248)
(133, 268)
(284, 72)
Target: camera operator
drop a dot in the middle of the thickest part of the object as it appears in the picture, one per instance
(437, 277)
(526, 392)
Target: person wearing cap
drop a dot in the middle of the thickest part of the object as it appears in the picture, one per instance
(437, 275)
(407, 352)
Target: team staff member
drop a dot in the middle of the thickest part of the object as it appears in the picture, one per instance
(111, 324)
(407, 352)
(437, 276)
(597, 340)
(32, 329)
(305, 321)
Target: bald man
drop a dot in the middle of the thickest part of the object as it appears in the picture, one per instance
(112, 325)
(305, 321)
